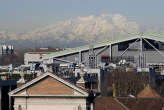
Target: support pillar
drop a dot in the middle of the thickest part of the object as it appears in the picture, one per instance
(128, 48)
(99, 79)
(80, 58)
(110, 52)
(10, 98)
(141, 52)
(0, 98)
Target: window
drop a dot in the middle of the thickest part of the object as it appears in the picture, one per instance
(122, 46)
(157, 45)
(105, 58)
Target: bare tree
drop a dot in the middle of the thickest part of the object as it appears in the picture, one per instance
(125, 83)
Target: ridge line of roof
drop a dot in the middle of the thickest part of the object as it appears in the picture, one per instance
(84, 46)
(42, 76)
(109, 42)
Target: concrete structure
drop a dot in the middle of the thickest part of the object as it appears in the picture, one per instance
(143, 49)
(49, 92)
(35, 56)
(32, 57)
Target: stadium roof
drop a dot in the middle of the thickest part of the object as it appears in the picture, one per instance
(157, 37)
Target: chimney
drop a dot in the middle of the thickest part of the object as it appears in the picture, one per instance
(21, 81)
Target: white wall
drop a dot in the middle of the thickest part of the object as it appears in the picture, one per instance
(50, 103)
(31, 57)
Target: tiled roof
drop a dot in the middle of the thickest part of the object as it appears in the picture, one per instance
(81, 90)
(105, 103)
(148, 92)
(126, 103)
(143, 103)
(157, 37)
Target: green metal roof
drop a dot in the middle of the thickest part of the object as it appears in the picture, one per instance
(157, 37)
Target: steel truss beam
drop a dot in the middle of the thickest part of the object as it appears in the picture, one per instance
(154, 47)
(66, 61)
(129, 47)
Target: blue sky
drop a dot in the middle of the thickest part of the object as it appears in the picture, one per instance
(25, 15)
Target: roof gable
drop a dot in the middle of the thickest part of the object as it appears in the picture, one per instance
(48, 85)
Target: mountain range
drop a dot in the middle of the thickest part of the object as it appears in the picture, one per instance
(72, 32)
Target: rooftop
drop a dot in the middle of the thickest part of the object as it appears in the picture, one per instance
(105, 103)
(157, 37)
(109, 103)
(143, 103)
(148, 92)
(44, 50)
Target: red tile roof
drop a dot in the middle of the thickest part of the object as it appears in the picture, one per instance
(143, 104)
(105, 103)
(148, 92)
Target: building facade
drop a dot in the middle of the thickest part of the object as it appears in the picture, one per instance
(49, 92)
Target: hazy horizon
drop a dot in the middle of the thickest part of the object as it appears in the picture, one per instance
(74, 21)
